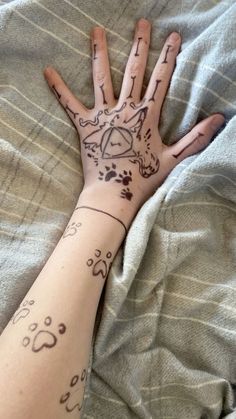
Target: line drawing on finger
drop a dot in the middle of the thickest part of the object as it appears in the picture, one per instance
(188, 145)
(71, 111)
(103, 94)
(56, 92)
(132, 87)
(136, 52)
(94, 51)
(152, 98)
(167, 50)
(67, 108)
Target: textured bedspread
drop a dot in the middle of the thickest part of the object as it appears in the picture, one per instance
(165, 336)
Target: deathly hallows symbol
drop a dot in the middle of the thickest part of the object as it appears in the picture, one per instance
(117, 142)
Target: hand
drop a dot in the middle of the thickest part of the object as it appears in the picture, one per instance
(122, 153)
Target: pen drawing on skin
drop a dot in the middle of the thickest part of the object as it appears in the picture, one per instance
(99, 264)
(188, 145)
(167, 50)
(71, 111)
(71, 229)
(124, 132)
(94, 51)
(23, 311)
(130, 94)
(73, 399)
(103, 94)
(110, 135)
(152, 98)
(136, 52)
(44, 337)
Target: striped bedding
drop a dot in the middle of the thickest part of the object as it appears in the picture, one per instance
(165, 336)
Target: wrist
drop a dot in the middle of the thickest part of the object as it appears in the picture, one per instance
(107, 200)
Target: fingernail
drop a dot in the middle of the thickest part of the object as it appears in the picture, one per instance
(174, 37)
(217, 121)
(48, 71)
(98, 32)
(143, 23)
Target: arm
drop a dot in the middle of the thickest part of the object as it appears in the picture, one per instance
(45, 348)
(44, 354)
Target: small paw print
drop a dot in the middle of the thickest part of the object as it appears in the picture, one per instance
(100, 266)
(23, 311)
(71, 229)
(125, 177)
(126, 194)
(110, 173)
(72, 400)
(43, 338)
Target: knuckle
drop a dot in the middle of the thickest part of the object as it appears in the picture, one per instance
(135, 68)
(200, 139)
(162, 72)
(99, 76)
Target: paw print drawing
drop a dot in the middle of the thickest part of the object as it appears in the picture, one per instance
(126, 194)
(125, 177)
(23, 311)
(72, 400)
(71, 229)
(100, 266)
(110, 173)
(43, 338)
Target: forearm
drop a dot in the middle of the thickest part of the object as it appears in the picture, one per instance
(44, 350)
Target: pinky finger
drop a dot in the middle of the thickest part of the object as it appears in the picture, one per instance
(70, 103)
(196, 140)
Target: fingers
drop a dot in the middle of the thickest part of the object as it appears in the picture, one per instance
(70, 103)
(135, 68)
(162, 72)
(197, 139)
(103, 89)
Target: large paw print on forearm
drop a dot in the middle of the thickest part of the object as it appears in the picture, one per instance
(43, 338)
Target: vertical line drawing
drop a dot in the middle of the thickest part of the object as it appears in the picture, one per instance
(165, 59)
(188, 145)
(136, 52)
(154, 92)
(103, 94)
(131, 90)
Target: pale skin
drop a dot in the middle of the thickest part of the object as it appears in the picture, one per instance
(45, 347)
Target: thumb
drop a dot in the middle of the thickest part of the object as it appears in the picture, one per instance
(197, 139)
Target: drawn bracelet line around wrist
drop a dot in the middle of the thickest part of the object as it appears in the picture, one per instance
(104, 212)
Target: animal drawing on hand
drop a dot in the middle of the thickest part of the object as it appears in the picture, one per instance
(117, 137)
